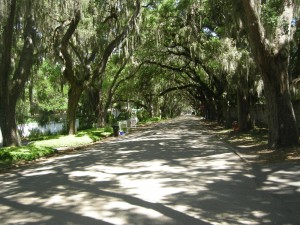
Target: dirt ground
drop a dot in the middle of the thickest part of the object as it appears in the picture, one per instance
(253, 144)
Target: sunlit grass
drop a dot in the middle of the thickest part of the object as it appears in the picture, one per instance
(81, 138)
(11, 155)
(65, 141)
(47, 145)
(152, 120)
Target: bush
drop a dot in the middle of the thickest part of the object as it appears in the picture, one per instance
(143, 115)
(44, 117)
(35, 133)
(155, 119)
(25, 153)
(47, 144)
(108, 129)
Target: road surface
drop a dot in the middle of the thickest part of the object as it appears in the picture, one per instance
(175, 173)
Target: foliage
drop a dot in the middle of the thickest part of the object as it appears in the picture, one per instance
(22, 112)
(36, 134)
(45, 145)
(143, 115)
(49, 94)
(178, 53)
(43, 96)
(154, 119)
(26, 153)
(151, 120)
(83, 137)
(270, 14)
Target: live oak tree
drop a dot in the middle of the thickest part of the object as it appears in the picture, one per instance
(186, 44)
(85, 60)
(45, 95)
(198, 48)
(269, 30)
(24, 33)
(23, 24)
(117, 86)
(18, 37)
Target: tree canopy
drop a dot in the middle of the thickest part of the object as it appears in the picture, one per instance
(225, 59)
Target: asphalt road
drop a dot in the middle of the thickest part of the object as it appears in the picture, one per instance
(175, 173)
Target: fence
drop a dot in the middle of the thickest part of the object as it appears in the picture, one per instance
(125, 124)
(259, 114)
(26, 129)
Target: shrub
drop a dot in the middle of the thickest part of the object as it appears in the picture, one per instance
(35, 133)
(143, 115)
(26, 153)
(108, 129)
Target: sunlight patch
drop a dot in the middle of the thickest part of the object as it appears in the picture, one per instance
(39, 173)
(148, 212)
(259, 214)
(152, 190)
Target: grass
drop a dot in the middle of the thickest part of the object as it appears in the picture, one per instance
(48, 145)
(81, 138)
(150, 121)
(11, 155)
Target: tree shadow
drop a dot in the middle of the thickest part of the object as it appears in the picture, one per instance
(174, 173)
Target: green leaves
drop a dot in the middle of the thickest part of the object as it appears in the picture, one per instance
(270, 13)
(26, 153)
(47, 87)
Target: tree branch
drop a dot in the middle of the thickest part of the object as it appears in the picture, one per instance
(109, 49)
(69, 71)
(176, 88)
(179, 70)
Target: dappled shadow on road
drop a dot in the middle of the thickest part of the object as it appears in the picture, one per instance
(173, 174)
(282, 180)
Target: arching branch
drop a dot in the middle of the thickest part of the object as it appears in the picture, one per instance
(176, 88)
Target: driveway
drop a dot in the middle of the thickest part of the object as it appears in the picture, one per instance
(174, 173)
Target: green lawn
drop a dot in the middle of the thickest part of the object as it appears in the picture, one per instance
(47, 145)
(43, 146)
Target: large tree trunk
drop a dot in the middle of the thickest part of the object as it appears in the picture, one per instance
(100, 109)
(9, 134)
(273, 60)
(73, 99)
(9, 129)
(219, 110)
(106, 107)
(76, 87)
(283, 130)
(12, 88)
(243, 106)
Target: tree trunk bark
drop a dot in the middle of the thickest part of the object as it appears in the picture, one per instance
(73, 99)
(243, 105)
(283, 130)
(76, 87)
(106, 107)
(219, 110)
(12, 88)
(9, 133)
(101, 109)
(273, 62)
(9, 129)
